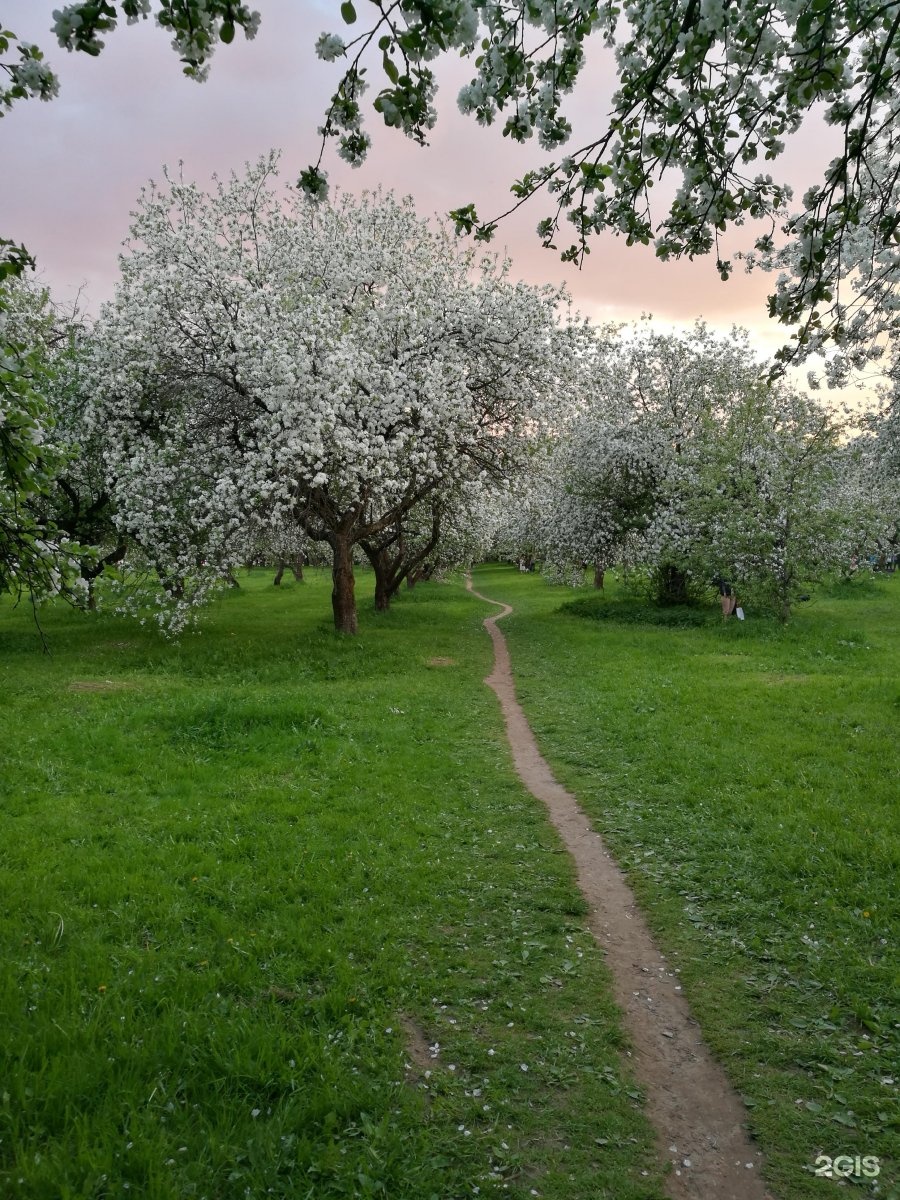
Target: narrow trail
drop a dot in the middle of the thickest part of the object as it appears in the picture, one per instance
(699, 1118)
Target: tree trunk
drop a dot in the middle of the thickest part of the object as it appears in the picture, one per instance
(382, 593)
(387, 571)
(420, 575)
(91, 572)
(783, 597)
(296, 565)
(343, 591)
(672, 585)
(599, 573)
(392, 562)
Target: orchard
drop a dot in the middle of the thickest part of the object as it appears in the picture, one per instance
(277, 378)
(296, 906)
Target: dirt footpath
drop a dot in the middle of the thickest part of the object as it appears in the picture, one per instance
(699, 1119)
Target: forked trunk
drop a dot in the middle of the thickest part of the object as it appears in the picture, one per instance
(296, 565)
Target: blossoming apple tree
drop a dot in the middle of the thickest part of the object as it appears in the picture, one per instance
(686, 459)
(761, 502)
(617, 472)
(333, 366)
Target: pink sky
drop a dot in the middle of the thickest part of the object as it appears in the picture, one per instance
(73, 168)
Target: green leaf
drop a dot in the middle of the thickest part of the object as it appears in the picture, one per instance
(390, 69)
(348, 12)
(226, 33)
(845, 1118)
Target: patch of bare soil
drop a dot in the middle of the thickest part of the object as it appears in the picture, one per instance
(97, 685)
(699, 1119)
(442, 662)
(417, 1049)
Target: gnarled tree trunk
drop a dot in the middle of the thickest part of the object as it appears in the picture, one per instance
(343, 590)
(420, 575)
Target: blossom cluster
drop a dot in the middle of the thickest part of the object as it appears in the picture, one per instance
(196, 26)
(28, 78)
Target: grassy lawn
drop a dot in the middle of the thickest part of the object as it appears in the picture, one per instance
(276, 919)
(747, 777)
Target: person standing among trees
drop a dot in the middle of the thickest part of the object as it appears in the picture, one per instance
(727, 596)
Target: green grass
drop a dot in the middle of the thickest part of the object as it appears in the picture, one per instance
(248, 878)
(747, 777)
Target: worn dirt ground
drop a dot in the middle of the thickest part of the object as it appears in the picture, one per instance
(699, 1119)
